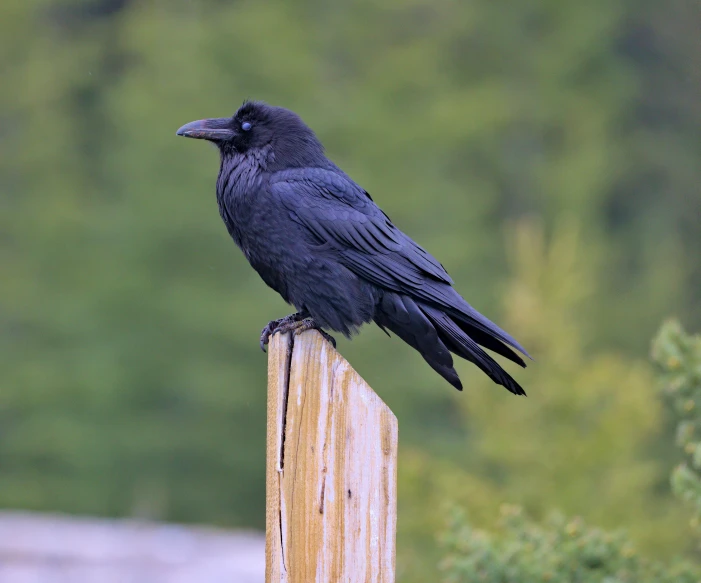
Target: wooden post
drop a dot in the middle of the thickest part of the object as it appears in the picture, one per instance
(331, 477)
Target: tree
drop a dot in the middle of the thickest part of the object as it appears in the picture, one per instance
(560, 550)
(678, 354)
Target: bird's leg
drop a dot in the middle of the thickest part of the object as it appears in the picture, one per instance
(296, 323)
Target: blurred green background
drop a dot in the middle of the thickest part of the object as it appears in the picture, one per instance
(547, 152)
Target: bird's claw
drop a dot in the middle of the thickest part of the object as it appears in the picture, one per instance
(295, 324)
(275, 326)
(267, 332)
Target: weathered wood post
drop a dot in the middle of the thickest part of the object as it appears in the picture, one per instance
(331, 469)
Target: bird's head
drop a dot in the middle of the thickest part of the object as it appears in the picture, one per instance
(278, 132)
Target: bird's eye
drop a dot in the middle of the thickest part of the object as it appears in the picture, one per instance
(245, 126)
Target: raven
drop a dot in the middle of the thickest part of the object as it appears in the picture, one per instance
(319, 240)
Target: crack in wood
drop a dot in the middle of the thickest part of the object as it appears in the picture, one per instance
(323, 491)
(285, 399)
(281, 456)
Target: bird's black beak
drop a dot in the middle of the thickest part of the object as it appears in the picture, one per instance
(215, 130)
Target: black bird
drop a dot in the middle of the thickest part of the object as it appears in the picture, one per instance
(319, 240)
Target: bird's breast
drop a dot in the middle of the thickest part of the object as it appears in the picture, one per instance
(260, 228)
(238, 183)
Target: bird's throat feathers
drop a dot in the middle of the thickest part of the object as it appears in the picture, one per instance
(241, 173)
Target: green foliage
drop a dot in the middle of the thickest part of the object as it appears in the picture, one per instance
(567, 550)
(560, 550)
(679, 356)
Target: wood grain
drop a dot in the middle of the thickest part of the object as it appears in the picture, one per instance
(331, 476)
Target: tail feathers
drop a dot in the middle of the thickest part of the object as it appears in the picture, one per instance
(435, 334)
(401, 315)
(476, 322)
(485, 339)
(456, 306)
(453, 336)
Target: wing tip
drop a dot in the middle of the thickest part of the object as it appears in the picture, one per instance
(449, 374)
(508, 382)
(457, 383)
(510, 385)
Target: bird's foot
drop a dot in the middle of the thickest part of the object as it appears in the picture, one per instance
(275, 326)
(310, 324)
(296, 323)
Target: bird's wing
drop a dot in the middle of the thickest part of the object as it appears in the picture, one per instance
(336, 211)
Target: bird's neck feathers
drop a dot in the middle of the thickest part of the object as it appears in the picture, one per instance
(297, 148)
(256, 159)
(240, 173)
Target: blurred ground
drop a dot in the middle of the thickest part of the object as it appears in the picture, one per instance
(52, 548)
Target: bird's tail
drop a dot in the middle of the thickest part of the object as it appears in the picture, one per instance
(434, 334)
